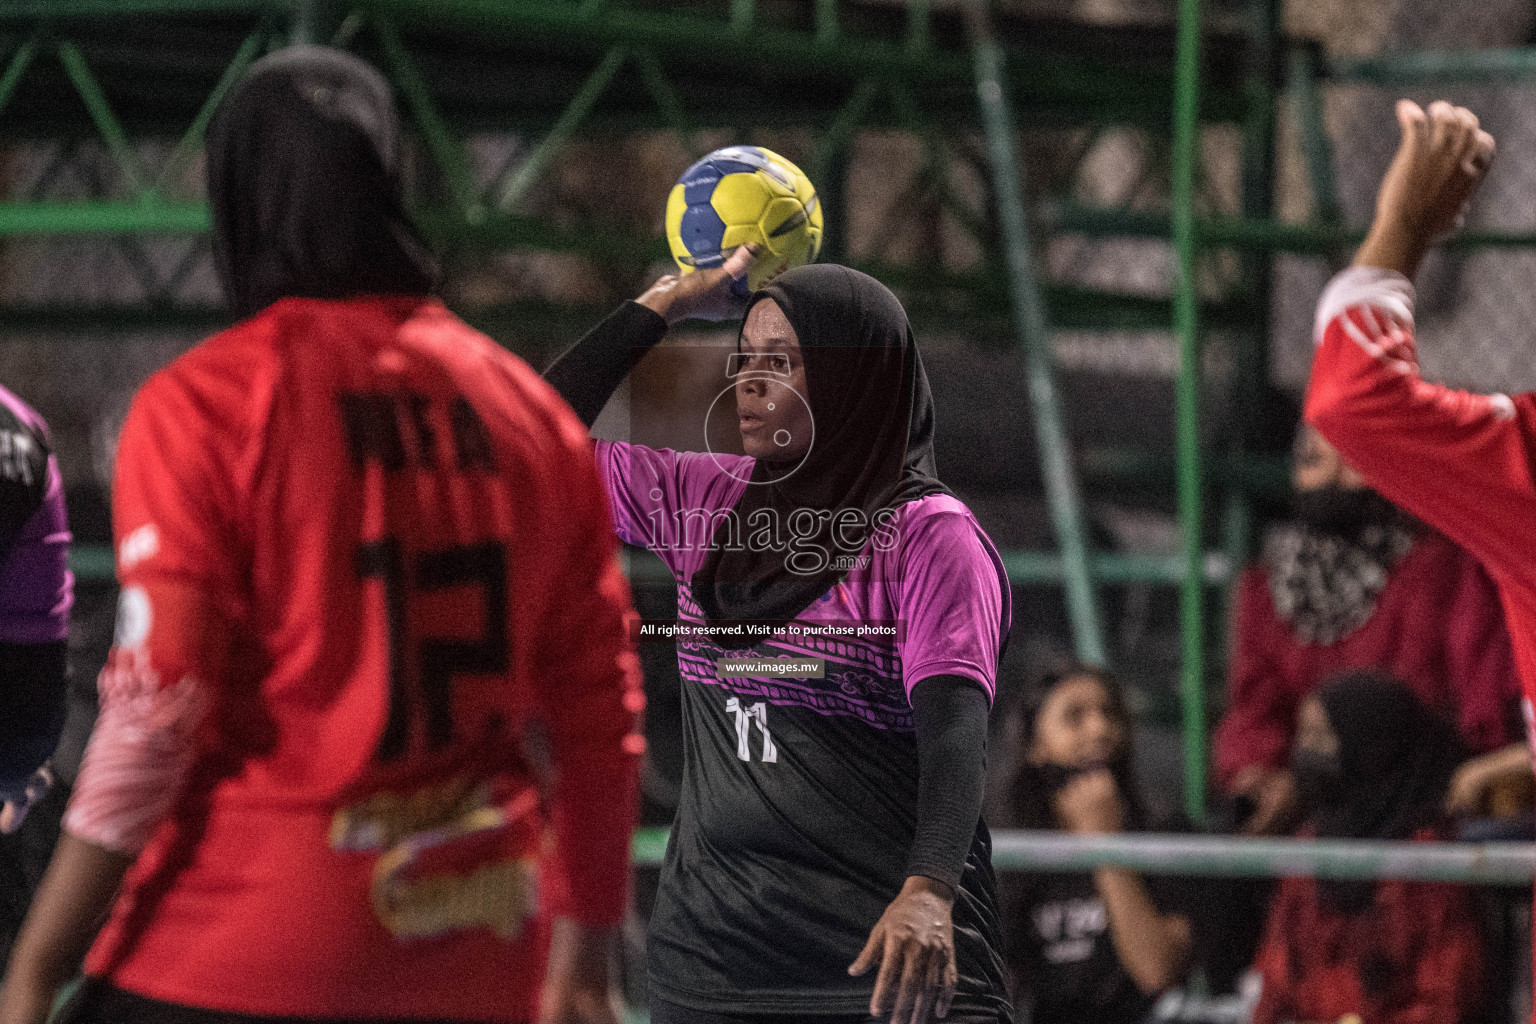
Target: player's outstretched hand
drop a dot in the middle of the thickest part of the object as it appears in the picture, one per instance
(14, 811)
(913, 944)
(703, 294)
(579, 983)
(1442, 158)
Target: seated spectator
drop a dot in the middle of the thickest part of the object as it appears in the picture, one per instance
(1356, 584)
(1086, 947)
(1371, 762)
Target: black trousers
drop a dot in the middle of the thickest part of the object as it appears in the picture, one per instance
(663, 1012)
(97, 1002)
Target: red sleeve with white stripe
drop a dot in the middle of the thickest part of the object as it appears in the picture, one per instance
(1457, 460)
(140, 753)
(171, 502)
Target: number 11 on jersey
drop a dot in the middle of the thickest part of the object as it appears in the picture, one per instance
(745, 716)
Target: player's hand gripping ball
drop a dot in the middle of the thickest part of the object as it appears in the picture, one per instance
(743, 194)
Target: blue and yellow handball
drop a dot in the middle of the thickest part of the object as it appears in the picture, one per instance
(738, 195)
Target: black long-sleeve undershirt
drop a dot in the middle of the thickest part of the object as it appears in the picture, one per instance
(950, 716)
(34, 683)
(590, 371)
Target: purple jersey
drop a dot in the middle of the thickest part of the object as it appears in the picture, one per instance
(36, 591)
(799, 794)
(36, 586)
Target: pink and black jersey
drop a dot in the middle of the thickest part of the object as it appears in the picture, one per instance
(799, 795)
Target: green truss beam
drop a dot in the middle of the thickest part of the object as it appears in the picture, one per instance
(1186, 316)
(1132, 83)
(1061, 486)
(20, 61)
(107, 124)
(447, 150)
(570, 119)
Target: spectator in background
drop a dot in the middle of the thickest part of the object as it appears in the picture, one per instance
(1371, 762)
(1355, 583)
(1095, 947)
(36, 592)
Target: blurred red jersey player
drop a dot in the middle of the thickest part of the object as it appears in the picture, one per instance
(1464, 463)
(362, 550)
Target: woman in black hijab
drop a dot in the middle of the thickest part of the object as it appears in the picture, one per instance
(1371, 762)
(828, 861)
(873, 416)
(304, 185)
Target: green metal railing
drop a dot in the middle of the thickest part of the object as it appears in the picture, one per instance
(1502, 863)
(93, 563)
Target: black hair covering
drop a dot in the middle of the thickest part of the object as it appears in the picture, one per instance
(873, 446)
(1396, 758)
(304, 185)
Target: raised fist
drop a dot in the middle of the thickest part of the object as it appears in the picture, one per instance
(1442, 158)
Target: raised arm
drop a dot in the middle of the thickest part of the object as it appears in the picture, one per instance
(1460, 461)
(589, 372)
(1152, 946)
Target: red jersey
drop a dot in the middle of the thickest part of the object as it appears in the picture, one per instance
(403, 527)
(1462, 462)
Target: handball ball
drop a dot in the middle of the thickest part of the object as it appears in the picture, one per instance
(743, 194)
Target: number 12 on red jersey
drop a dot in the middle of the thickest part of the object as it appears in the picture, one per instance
(483, 566)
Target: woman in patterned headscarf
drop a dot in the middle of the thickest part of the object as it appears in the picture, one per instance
(1353, 583)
